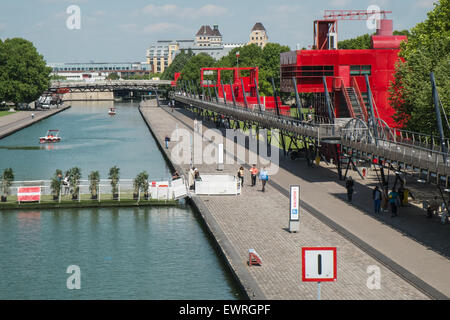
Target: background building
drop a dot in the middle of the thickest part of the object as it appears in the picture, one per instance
(161, 55)
(207, 40)
(207, 37)
(99, 70)
(258, 35)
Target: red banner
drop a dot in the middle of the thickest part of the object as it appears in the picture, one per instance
(29, 194)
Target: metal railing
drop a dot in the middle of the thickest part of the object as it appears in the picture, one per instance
(420, 148)
(104, 191)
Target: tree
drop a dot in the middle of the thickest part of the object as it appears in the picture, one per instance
(365, 41)
(94, 179)
(23, 71)
(191, 70)
(114, 175)
(427, 50)
(267, 60)
(177, 64)
(113, 76)
(361, 42)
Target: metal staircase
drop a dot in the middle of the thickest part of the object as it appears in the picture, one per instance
(358, 111)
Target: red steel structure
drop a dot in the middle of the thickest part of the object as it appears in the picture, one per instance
(345, 70)
(214, 78)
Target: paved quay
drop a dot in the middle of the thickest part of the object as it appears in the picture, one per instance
(22, 119)
(259, 220)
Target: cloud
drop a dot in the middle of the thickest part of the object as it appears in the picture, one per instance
(209, 10)
(340, 3)
(128, 27)
(162, 27)
(424, 3)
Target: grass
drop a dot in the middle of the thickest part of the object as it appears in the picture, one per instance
(5, 113)
(47, 202)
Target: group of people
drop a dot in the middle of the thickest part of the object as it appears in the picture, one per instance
(65, 182)
(263, 176)
(382, 199)
(194, 175)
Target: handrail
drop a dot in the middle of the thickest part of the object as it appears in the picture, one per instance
(360, 99)
(347, 100)
(290, 123)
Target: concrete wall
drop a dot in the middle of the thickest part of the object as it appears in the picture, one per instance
(88, 96)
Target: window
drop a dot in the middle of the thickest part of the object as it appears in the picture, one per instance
(316, 71)
(360, 70)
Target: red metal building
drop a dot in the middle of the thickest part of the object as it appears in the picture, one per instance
(239, 82)
(345, 71)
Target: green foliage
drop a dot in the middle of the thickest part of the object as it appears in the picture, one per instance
(74, 179)
(141, 183)
(361, 42)
(177, 65)
(94, 179)
(55, 77)
(23, 71)
(55, 183)
(114, 176)
(191, 70)
(427, 50)
(364, 41)
(267, 60)
(7, 179)
(113, 76)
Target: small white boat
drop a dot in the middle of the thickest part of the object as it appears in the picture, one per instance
(52, 136)
(112, 111)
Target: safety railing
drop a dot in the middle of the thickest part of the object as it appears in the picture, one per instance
(157, 190)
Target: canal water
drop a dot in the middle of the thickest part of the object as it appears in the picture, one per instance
(126, 253)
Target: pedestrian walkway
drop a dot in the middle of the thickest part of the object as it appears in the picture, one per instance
(21, 119)
(259, 221)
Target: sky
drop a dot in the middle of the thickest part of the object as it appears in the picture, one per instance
(121, 31)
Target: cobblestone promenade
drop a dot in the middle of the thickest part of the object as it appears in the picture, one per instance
(259, 221)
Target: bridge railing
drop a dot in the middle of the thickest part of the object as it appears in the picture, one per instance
(400, 143)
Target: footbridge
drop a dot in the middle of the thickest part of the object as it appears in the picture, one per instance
(422, 156)
(108, 85)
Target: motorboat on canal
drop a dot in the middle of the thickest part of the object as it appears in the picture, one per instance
(112, 111)
(51, 137)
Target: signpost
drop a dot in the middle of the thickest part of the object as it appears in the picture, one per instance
(294, 209)
(220, 165)
(319, 265)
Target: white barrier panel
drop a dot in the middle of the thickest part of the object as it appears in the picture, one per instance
(178, 189)
(162, 190)
(217, 185)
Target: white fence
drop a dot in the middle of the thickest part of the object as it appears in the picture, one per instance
(158, 190)
(218, 185)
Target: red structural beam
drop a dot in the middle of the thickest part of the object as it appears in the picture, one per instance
(352, 14)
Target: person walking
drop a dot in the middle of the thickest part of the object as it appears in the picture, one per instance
(254, 172)
(393, 199)
(377, 200)
(241, 175)
(349, 186)
(167, 140)
(264, 177)
(384, 199)
(191, 179)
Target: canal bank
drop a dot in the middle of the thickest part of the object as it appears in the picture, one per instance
(151, 252)
(259, 220)
(14, 122)
(226, 249)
